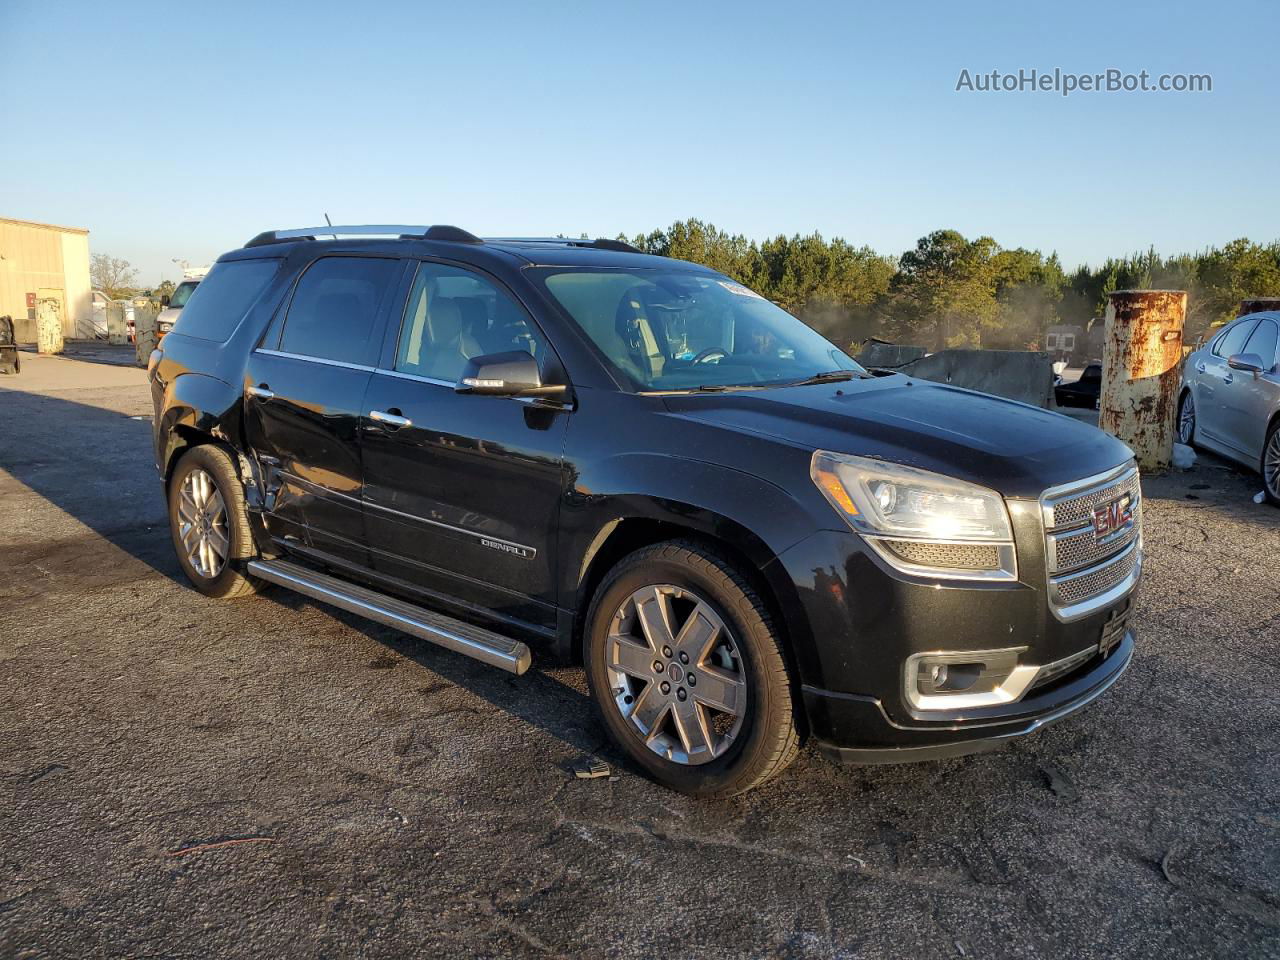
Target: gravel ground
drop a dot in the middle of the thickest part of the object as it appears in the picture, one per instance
(390, 799)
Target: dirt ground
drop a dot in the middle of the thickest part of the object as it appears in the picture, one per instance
(271, 777)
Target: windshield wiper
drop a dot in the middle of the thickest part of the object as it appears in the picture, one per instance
(831, 376)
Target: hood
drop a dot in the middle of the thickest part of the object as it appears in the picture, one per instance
(1015, 449)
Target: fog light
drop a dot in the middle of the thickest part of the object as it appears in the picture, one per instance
(960, 679)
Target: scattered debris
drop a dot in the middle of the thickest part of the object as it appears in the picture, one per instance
(1164, 866)
(47, 771)
(591, 768)
(1059, 783)
(1260, 497)
(1184, 458)
(197, 848)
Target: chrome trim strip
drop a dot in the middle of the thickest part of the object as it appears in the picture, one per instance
(413, 376)
(1079, 488)
(496, 543)
(1112, 547)
(1092, 605)
(364, 368)
(510, 655)
(976, 724)
(1010, 689)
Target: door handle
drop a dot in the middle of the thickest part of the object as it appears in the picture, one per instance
(1228, 378)
(260, 391)
(390, 417)
(1200, 366)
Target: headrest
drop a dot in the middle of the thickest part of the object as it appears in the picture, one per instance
(444, 320)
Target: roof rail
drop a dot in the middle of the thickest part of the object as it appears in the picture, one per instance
(436, 232)
(600, 243)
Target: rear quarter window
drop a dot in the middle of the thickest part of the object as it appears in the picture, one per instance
(223, 297)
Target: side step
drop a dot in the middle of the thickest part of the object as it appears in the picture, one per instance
(472, 641)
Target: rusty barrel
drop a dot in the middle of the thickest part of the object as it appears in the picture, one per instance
(1141, 371)
(1257, 305)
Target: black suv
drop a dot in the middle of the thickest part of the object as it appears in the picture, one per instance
(639, 462)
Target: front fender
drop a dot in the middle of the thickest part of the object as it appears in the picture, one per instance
(758, 519)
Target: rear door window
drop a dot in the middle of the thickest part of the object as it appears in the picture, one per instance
(221, 300)
(335, 307)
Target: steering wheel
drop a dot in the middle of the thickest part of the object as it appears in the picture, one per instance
(706, 356)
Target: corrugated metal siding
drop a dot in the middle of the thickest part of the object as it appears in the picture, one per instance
(39, 255)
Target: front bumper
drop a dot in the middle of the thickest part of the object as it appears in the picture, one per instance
(855, 624)
(851, 718)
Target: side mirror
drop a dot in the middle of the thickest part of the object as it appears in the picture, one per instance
(164, 300)
(1246, 361)
(511, 374)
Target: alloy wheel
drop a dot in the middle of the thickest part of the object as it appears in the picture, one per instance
(1187, 420)
(1271, 465)
(676, 674)
(202, 524)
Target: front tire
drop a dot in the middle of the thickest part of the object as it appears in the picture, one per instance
(687, 671)
(1271, 464)
(209, 523)
(1187, 419)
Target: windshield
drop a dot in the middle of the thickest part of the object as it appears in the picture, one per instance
(673, 330)
(182, 294)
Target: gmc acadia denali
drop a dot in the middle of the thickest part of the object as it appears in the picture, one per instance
(639, 462)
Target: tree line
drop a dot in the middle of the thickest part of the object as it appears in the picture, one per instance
(950, 291)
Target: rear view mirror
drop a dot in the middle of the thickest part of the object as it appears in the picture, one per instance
(511, 374)
(164, 300)
(1246, 361)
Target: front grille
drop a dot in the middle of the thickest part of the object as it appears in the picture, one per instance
(1091, 583)
(1076, 549)
(1083, 570)
(1066, 508)
(964, 556)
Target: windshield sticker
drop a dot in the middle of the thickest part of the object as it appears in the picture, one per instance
(739, 289)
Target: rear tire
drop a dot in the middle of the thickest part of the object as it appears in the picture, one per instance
(1271, 464)
(717, 644)
(209, 523)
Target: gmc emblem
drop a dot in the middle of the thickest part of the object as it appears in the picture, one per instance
(1112, 517)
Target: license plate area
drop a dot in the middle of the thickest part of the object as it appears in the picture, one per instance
(1113, 630)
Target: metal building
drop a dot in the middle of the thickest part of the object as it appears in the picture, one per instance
(39, 261)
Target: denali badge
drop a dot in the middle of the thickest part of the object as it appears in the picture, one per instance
(1112, 518)
(524, 553)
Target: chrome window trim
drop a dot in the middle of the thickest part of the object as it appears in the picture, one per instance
(417, 378)
(453, 385)
(362, 367)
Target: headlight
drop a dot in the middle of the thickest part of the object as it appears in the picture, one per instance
(166, 327)
(922, 523)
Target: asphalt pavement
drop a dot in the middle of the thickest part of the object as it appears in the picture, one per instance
(272, 777)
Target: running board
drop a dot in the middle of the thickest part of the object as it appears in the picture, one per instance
(472, 641)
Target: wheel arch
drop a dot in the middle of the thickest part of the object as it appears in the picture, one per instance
(748, 553)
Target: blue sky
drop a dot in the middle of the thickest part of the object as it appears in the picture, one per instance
(180, 130)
